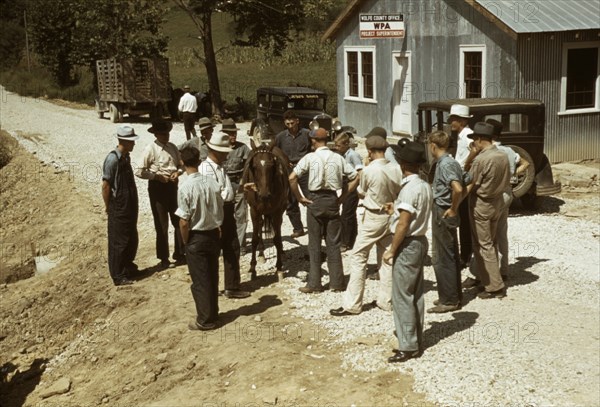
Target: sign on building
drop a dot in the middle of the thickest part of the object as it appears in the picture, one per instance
(381, 26)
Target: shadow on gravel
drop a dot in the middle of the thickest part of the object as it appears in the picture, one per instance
(543, 205)
(439, 331)
(14, 392)
(264, 303)
(518, 273)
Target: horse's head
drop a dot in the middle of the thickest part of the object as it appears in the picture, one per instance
(266, 171)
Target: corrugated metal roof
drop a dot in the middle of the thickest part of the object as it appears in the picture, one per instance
(545, 16)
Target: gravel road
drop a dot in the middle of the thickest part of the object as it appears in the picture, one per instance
(539, 346)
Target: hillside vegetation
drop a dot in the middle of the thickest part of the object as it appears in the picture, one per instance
(306, 61)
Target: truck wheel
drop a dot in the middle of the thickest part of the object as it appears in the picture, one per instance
(100, 112)
(524, 182)
(115, 114)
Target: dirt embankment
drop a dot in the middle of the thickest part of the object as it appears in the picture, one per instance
(70, 338)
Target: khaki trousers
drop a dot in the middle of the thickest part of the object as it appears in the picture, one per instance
(484, 224)
(373, 229)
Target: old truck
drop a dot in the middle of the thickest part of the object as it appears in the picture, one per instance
(308, 104)
(132, 86)
(523, 130)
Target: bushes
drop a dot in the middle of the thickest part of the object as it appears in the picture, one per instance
(7, 145)
(39, 83)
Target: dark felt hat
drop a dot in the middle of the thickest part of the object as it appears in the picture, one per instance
(412, 152)
(376, 143)
(497, 126)
(229, 125)
(160, 127)
(482, 129)
(377, 131)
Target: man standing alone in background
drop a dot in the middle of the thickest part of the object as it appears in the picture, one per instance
(188, 106)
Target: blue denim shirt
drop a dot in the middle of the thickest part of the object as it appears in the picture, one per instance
(447, 170)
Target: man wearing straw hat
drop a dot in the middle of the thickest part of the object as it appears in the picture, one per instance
(121, 204)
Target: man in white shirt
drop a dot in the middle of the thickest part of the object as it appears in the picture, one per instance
(219, 148)
(326, 170)
(188, 106)
(161, 166)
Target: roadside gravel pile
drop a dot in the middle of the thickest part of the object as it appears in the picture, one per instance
(538, 346)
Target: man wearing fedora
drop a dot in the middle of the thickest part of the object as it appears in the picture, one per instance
(236, 161)
(379, 184)
(325, 170)
(188, 105)
(411, 213)
(459, 125)
(517, 165)
(219, 148)
(161, 166)
(121, 205)
(491, 182)
(206, 130)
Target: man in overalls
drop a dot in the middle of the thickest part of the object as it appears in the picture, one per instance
(121, 204)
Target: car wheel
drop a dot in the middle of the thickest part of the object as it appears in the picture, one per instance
(525, 181)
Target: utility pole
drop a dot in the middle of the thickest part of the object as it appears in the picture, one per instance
(26, 41)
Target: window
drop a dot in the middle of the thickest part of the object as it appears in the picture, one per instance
(472, 71)
(472, 78)
(511, 123)
(360, 74)
(278, 102)
(580, 77)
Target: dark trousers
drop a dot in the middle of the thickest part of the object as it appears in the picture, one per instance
(323, 219)
(349, 222)
(122, 242)
(202, 253)
(230, 244)
(293, 208)
(189, 121)
(445, 257)
(163, 202)
(464, 232)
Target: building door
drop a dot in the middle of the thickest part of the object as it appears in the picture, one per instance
(403, 95)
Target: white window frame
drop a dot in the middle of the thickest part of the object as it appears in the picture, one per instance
(461, 75)
(563, 82)
(360, 97)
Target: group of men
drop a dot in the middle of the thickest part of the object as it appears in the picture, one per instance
(208, 213)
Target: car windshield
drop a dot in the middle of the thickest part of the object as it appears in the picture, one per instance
(306, 102)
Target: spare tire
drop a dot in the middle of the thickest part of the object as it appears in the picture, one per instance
(525, 180)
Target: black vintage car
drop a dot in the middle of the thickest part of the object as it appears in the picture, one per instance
(523, 131)
(272, 102)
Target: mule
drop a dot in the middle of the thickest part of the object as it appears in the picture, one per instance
(267, 171)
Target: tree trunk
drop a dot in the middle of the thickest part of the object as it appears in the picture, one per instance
(210, 62)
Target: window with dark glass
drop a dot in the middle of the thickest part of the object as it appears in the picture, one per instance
(473, 74)
(582, 72)
(353, 74)
(367, 74)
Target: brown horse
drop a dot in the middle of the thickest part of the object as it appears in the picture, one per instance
(267, 170)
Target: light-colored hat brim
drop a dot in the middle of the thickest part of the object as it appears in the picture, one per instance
(132, 138)
(219, 148)
(461, 116)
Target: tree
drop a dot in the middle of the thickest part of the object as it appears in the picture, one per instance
(52, 25)
(260, 21)
(12, 33)
(201, 11)
(68, 33)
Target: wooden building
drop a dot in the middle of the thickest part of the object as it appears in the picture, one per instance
(394, 54)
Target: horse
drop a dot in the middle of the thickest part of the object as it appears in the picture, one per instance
(266, 170)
